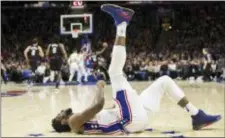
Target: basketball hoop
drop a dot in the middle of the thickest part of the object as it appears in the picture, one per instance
(75, 33)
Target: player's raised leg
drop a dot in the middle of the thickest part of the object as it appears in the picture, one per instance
(122, 17)
(151, 98)
(132, 111)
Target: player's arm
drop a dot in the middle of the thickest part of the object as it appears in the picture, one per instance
(41, 53)
(47, 51)
(69, 60)
(77, 120)
(205, 63)
(63, 51)
(3, 67)
(82, 47)
(26, 54)
(104, 45)
(209, 59)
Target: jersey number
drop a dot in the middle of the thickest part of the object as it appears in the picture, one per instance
(54, 50)
(33, 52)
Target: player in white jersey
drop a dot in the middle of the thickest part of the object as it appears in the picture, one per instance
(132, 111)
(81, 67)
(73, 63)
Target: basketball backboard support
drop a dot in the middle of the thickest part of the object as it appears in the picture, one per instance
(69, 21)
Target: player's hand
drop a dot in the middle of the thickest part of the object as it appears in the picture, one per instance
(101, 84)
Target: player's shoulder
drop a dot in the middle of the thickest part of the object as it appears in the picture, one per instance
(60, 44)
(39, 46)
(28, 47)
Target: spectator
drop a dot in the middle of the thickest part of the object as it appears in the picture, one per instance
(149, 47)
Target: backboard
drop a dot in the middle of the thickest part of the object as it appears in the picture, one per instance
(83, 22)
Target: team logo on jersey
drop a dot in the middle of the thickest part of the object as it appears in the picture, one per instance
(13, 93)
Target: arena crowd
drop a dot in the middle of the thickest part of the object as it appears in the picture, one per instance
(158, 42)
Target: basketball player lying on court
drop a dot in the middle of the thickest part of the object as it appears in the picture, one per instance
(132, 111)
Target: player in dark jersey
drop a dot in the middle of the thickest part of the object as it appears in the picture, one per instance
(33, 54)
(56, 54)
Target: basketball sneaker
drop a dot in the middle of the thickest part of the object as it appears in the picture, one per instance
(202, 120)
(119, 14)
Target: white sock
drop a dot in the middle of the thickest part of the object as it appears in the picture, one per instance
(121, 29)
(191, 109)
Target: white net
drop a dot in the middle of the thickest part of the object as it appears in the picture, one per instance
(75, 33)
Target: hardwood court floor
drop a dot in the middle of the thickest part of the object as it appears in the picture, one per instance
(31, 113)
